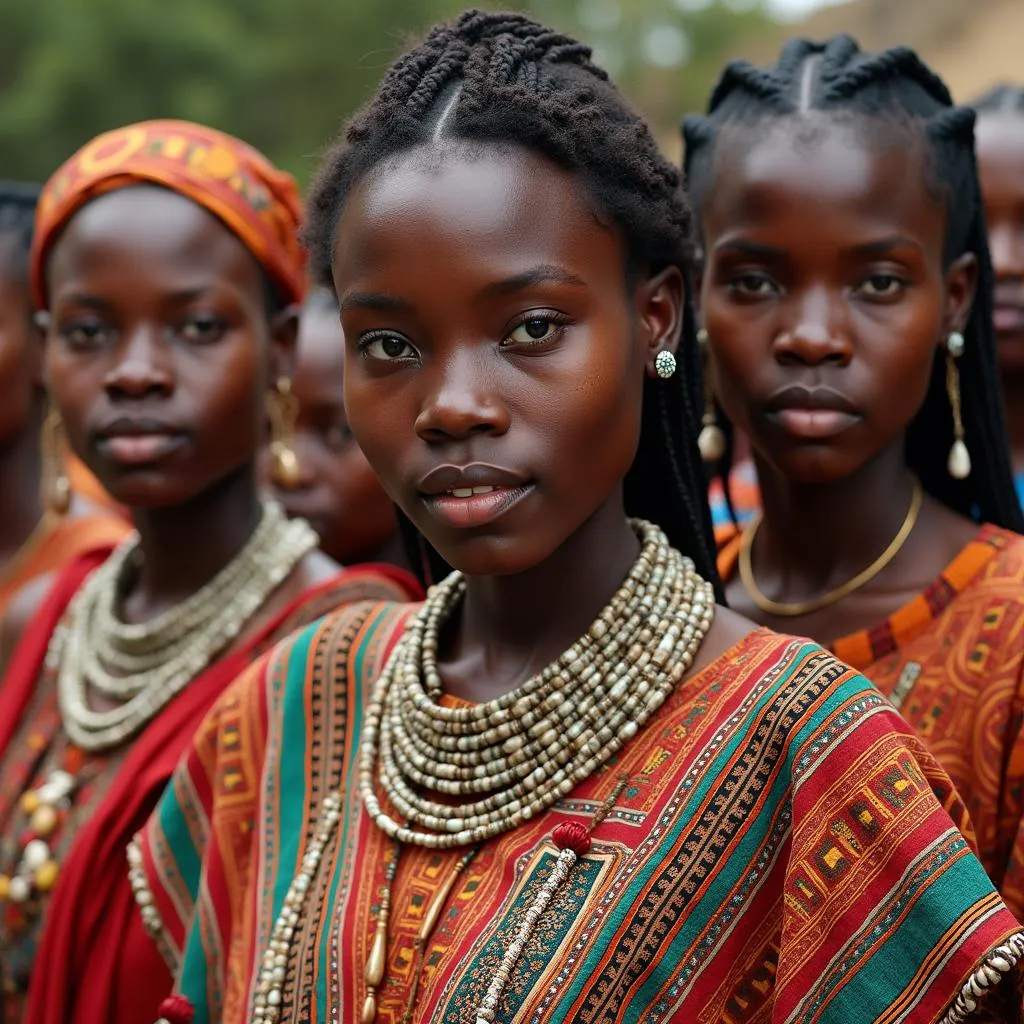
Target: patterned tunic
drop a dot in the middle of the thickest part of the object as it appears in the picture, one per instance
(784, 849)
(952, 660)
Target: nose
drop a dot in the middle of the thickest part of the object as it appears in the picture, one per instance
(462, 400)
(1006, 243)
(816, 335)
(142, 368)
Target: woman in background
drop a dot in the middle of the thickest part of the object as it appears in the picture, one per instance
(999, 139)
(847, 298)
(329, 483)
(167, 267)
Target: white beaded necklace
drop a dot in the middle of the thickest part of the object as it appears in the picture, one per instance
(525, 750)
(144, 666)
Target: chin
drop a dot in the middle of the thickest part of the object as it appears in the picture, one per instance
(491, 554)
(149, 490)
(818, 465)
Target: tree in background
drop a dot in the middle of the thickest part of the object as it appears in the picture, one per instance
(283, 74)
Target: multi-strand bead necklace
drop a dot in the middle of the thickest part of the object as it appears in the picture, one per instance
(142, 667)
(507, 760)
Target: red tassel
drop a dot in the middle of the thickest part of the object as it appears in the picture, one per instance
(571, 835)
(177, 1010)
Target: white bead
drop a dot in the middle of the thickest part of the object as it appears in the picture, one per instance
(959, 464)
(36, 854)
(18, 890)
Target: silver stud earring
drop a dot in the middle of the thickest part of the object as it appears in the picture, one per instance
(664, 364)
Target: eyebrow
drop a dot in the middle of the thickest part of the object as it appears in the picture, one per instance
(542, 274)
(745, 248)
(176, 298)
(378, 301)
(884, 245)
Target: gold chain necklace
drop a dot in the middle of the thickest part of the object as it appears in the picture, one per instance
(792, 610)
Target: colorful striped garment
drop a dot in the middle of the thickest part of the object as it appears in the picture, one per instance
(784, 849)
(952, 662)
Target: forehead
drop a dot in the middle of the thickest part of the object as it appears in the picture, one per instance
(154, 230)
(999, 139)
(491, 206)
(865, 169)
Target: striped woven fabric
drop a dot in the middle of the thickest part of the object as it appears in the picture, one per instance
(784, 849)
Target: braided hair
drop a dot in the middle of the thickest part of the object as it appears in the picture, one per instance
(17, 216)
(503, 78)
(897, 86)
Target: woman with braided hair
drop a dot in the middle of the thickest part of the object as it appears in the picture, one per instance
(569, 786)
(1000, 146)
(847, 298)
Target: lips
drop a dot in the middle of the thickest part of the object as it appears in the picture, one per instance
(138, 442)
(812, 413)
(473, 495)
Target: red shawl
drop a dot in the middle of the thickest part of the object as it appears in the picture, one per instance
(95, 961)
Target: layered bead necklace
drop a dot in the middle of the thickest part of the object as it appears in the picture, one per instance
(143, 667)
(507, 760)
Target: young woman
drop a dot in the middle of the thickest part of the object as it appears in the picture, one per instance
(167, 264)
(43, 523)
(999, 140)
(847, 296)
(330, 484)
(578, 790)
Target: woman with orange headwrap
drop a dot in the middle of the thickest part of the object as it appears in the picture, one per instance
(166, 262)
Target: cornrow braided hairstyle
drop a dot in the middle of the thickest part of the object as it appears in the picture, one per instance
(17, 215)
(503, 78)
(897, 86)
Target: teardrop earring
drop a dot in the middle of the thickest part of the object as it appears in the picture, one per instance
(959, 462)
(711, 439)
(283, 407)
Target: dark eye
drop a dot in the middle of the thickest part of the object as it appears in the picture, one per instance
(85, 334)
(536, 329)
(753, 285)
(882, 286)
(337, 436)
(201, 330)
(387, 347)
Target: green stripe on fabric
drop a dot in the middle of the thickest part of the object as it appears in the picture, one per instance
(353, 729)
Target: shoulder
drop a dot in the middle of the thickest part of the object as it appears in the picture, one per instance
(367, 582)
(1003, 554)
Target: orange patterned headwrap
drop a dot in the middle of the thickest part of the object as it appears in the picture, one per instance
(232, 180)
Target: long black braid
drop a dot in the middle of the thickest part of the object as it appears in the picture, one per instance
(896, 85)
(17, 214)
(503, 78)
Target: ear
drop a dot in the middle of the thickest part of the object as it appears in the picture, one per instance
(284, 333)
(961, 285)
(660, 301)
(41, 322)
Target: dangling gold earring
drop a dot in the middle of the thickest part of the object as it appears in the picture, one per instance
(283, 408)
(55, 487)
(711, 440)
(959, 463)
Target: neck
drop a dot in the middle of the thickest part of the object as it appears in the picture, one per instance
(184, 546)
(391, 552)
(816, 536)
(1013, 403)
(21, 470)
(512, 626)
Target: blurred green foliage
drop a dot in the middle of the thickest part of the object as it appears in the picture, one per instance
(284, 74)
